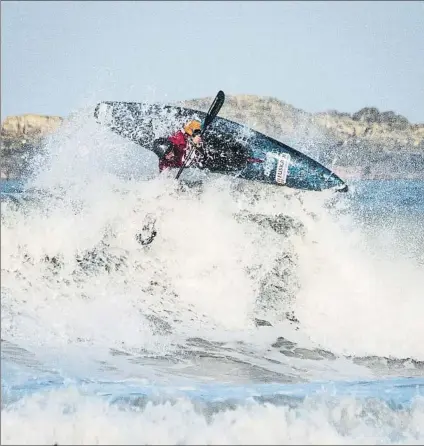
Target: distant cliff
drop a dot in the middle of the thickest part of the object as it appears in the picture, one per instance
(21, 137)
(365, 144)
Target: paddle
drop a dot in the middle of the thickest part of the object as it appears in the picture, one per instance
(211, 115)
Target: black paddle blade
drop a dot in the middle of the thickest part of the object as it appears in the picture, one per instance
(214, 109)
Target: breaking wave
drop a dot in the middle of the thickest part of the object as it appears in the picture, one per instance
(244, 284)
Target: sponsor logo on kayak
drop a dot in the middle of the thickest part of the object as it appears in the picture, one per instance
(282, 168)
(281, 163)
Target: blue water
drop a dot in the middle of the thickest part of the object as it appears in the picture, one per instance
(398, 196)
(11, 186)
(285, 394)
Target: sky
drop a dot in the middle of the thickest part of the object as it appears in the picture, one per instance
(57, 57)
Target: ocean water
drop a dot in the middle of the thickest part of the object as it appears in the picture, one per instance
(258, 315)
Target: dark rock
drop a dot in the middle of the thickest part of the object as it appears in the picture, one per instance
(262, 323)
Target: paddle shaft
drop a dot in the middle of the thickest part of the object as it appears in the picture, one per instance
(210, 116)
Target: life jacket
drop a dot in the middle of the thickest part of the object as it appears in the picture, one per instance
(175, 157)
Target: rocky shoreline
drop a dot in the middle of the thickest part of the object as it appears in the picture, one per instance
(368, 144)
(22, 137)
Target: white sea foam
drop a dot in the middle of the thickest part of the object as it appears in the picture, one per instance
(215, 265)
(67, 417)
